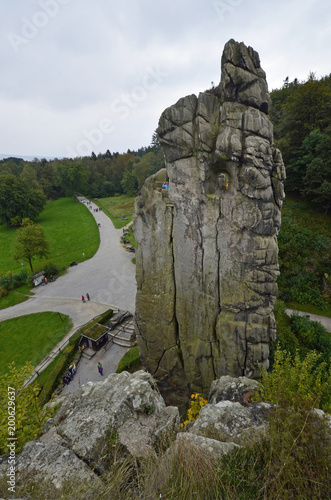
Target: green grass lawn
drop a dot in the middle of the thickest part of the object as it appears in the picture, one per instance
(15, 297)
(31, 337)
(70, 229)
(308, 309)
(116, 206)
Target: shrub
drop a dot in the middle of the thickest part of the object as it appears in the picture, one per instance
(6, 281)
(51, 269)
(11, 281)
(59, 366)
(299, 334)
(130, 360)
(20, 279)
(297, 454)
(29, 417)
(297, 383)
(197, 402)
(311, 335)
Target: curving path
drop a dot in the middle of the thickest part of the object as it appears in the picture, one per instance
(108, 277)
(326, 322)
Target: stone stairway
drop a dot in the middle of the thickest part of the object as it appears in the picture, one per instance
(122, 334)
(88, 353)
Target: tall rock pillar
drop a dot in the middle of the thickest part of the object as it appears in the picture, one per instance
(207, 260)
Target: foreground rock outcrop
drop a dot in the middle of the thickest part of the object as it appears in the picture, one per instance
(127, 411)
(207, 260)
(125, 408)
(124, 418)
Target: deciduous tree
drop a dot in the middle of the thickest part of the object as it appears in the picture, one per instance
(18, 200)
(31, 242)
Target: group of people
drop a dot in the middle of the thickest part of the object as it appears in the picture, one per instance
(87, 297)
(82, 347)
(70, 374)
(165, 185)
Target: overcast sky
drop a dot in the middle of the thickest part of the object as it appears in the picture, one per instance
(79, 75)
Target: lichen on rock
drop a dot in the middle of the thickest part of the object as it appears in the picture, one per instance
(207, 259)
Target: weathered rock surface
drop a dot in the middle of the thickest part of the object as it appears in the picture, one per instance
(127, 411)
(122, 403)
(228, 388)
(53, 461)
(204, 444)
(207, 248)
(232, 422)
(126, 408)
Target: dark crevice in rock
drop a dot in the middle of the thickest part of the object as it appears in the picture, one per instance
(244, 370)
(174, 319)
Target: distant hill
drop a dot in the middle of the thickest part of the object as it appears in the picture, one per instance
(26, 158)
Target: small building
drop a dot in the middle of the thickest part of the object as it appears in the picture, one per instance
(38, 278)
(95, 337)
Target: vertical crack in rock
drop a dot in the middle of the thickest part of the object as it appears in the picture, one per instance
(207, 267)
(244, 370)
(174, 318)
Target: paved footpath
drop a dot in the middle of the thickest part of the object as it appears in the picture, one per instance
(326, 322)
(108, 277)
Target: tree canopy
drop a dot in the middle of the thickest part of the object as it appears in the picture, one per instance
(31, 242)
(301, 114)
(98, 176)
(18, 200)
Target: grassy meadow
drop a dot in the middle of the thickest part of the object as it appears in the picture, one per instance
(116, 206)
(70, 229)
(31, 337)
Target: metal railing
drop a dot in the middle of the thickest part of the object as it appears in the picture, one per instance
(47, 361)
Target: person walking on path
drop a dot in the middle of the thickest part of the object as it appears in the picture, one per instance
(100, 368)
(87, 296)
(83, 298)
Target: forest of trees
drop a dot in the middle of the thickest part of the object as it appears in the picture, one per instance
(301, 115)
(25, 186)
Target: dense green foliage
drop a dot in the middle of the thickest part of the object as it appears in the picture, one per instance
(129, 361)
(12, 281)
(23, 405)
(297, 382)
(301, 115)
(19, 200)
(304, 254)
(52, 376)
(97, 176)
(299, 335)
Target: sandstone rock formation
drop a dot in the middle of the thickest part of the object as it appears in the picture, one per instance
(126, 408)
(126, 413)
(207, 248)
